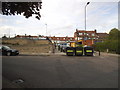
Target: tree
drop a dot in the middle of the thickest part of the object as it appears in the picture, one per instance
(25, 8)
(112, 42)
(114, 34)
(4, 37)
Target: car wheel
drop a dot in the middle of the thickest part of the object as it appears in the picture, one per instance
(8, 53)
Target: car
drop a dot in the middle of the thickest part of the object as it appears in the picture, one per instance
(63, 46)
(7, 51)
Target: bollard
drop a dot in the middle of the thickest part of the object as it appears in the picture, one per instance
(99, 52)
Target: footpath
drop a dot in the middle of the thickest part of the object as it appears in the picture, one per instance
(107, 54)
(58, 53)
(51, 53)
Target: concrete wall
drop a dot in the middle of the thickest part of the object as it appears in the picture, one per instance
(33, 49)
(24, 41)
(26, 46)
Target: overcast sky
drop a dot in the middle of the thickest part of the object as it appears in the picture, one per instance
(63, 17)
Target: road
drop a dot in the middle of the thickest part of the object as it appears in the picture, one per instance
(60, 71)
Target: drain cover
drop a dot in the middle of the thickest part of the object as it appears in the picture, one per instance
(18, 81)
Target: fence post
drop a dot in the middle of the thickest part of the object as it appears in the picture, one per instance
(99, 52)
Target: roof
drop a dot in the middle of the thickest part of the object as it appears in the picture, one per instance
(26, 36)
(62, 38)
(102, 34)
(83, 31)
(29, 36)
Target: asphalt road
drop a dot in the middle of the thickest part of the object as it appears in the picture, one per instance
(59, 71)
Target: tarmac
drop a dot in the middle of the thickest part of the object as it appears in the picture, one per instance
(14, 85)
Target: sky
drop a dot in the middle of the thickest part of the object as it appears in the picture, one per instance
(62, 18)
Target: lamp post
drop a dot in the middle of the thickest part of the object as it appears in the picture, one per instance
(85, 38)
(46, 29)
(9, 33)
(85, 14)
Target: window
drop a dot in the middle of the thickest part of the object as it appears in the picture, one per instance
(79, 38)
(85, 33)
(85, 38)
(80, 33)
(93, 34)
(76, 38)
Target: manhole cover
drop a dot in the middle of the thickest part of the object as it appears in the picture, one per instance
(18, 81)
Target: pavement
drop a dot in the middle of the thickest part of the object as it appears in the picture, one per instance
(62, 53)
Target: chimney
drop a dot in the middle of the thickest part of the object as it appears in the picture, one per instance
(76, 30)
(95, 31)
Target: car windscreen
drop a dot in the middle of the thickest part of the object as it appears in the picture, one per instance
(0, 47)
(5, 47)
(65, 44)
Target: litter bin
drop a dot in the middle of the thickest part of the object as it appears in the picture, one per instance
(78, 51)
(88, 51)
(70, 51)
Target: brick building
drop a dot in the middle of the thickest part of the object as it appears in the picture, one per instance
(61, 39)
(30, 37)
(85, 37)
(89, 37)
(102, 36)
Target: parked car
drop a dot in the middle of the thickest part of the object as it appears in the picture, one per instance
(5, 50)
(63, 46)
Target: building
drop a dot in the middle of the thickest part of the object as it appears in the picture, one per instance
(89, 37)
(61, 39)
(30, 37)
(102, 36)
(84, 37)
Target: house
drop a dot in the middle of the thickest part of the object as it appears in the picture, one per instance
(61, 39)
(89, 37)
(85, 35)
(30, 37)
(102, 37)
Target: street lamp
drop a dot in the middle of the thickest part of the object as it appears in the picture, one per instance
(46, 29)
(85, 38)
(85, 14)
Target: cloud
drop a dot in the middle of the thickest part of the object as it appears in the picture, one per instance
(63, 17)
